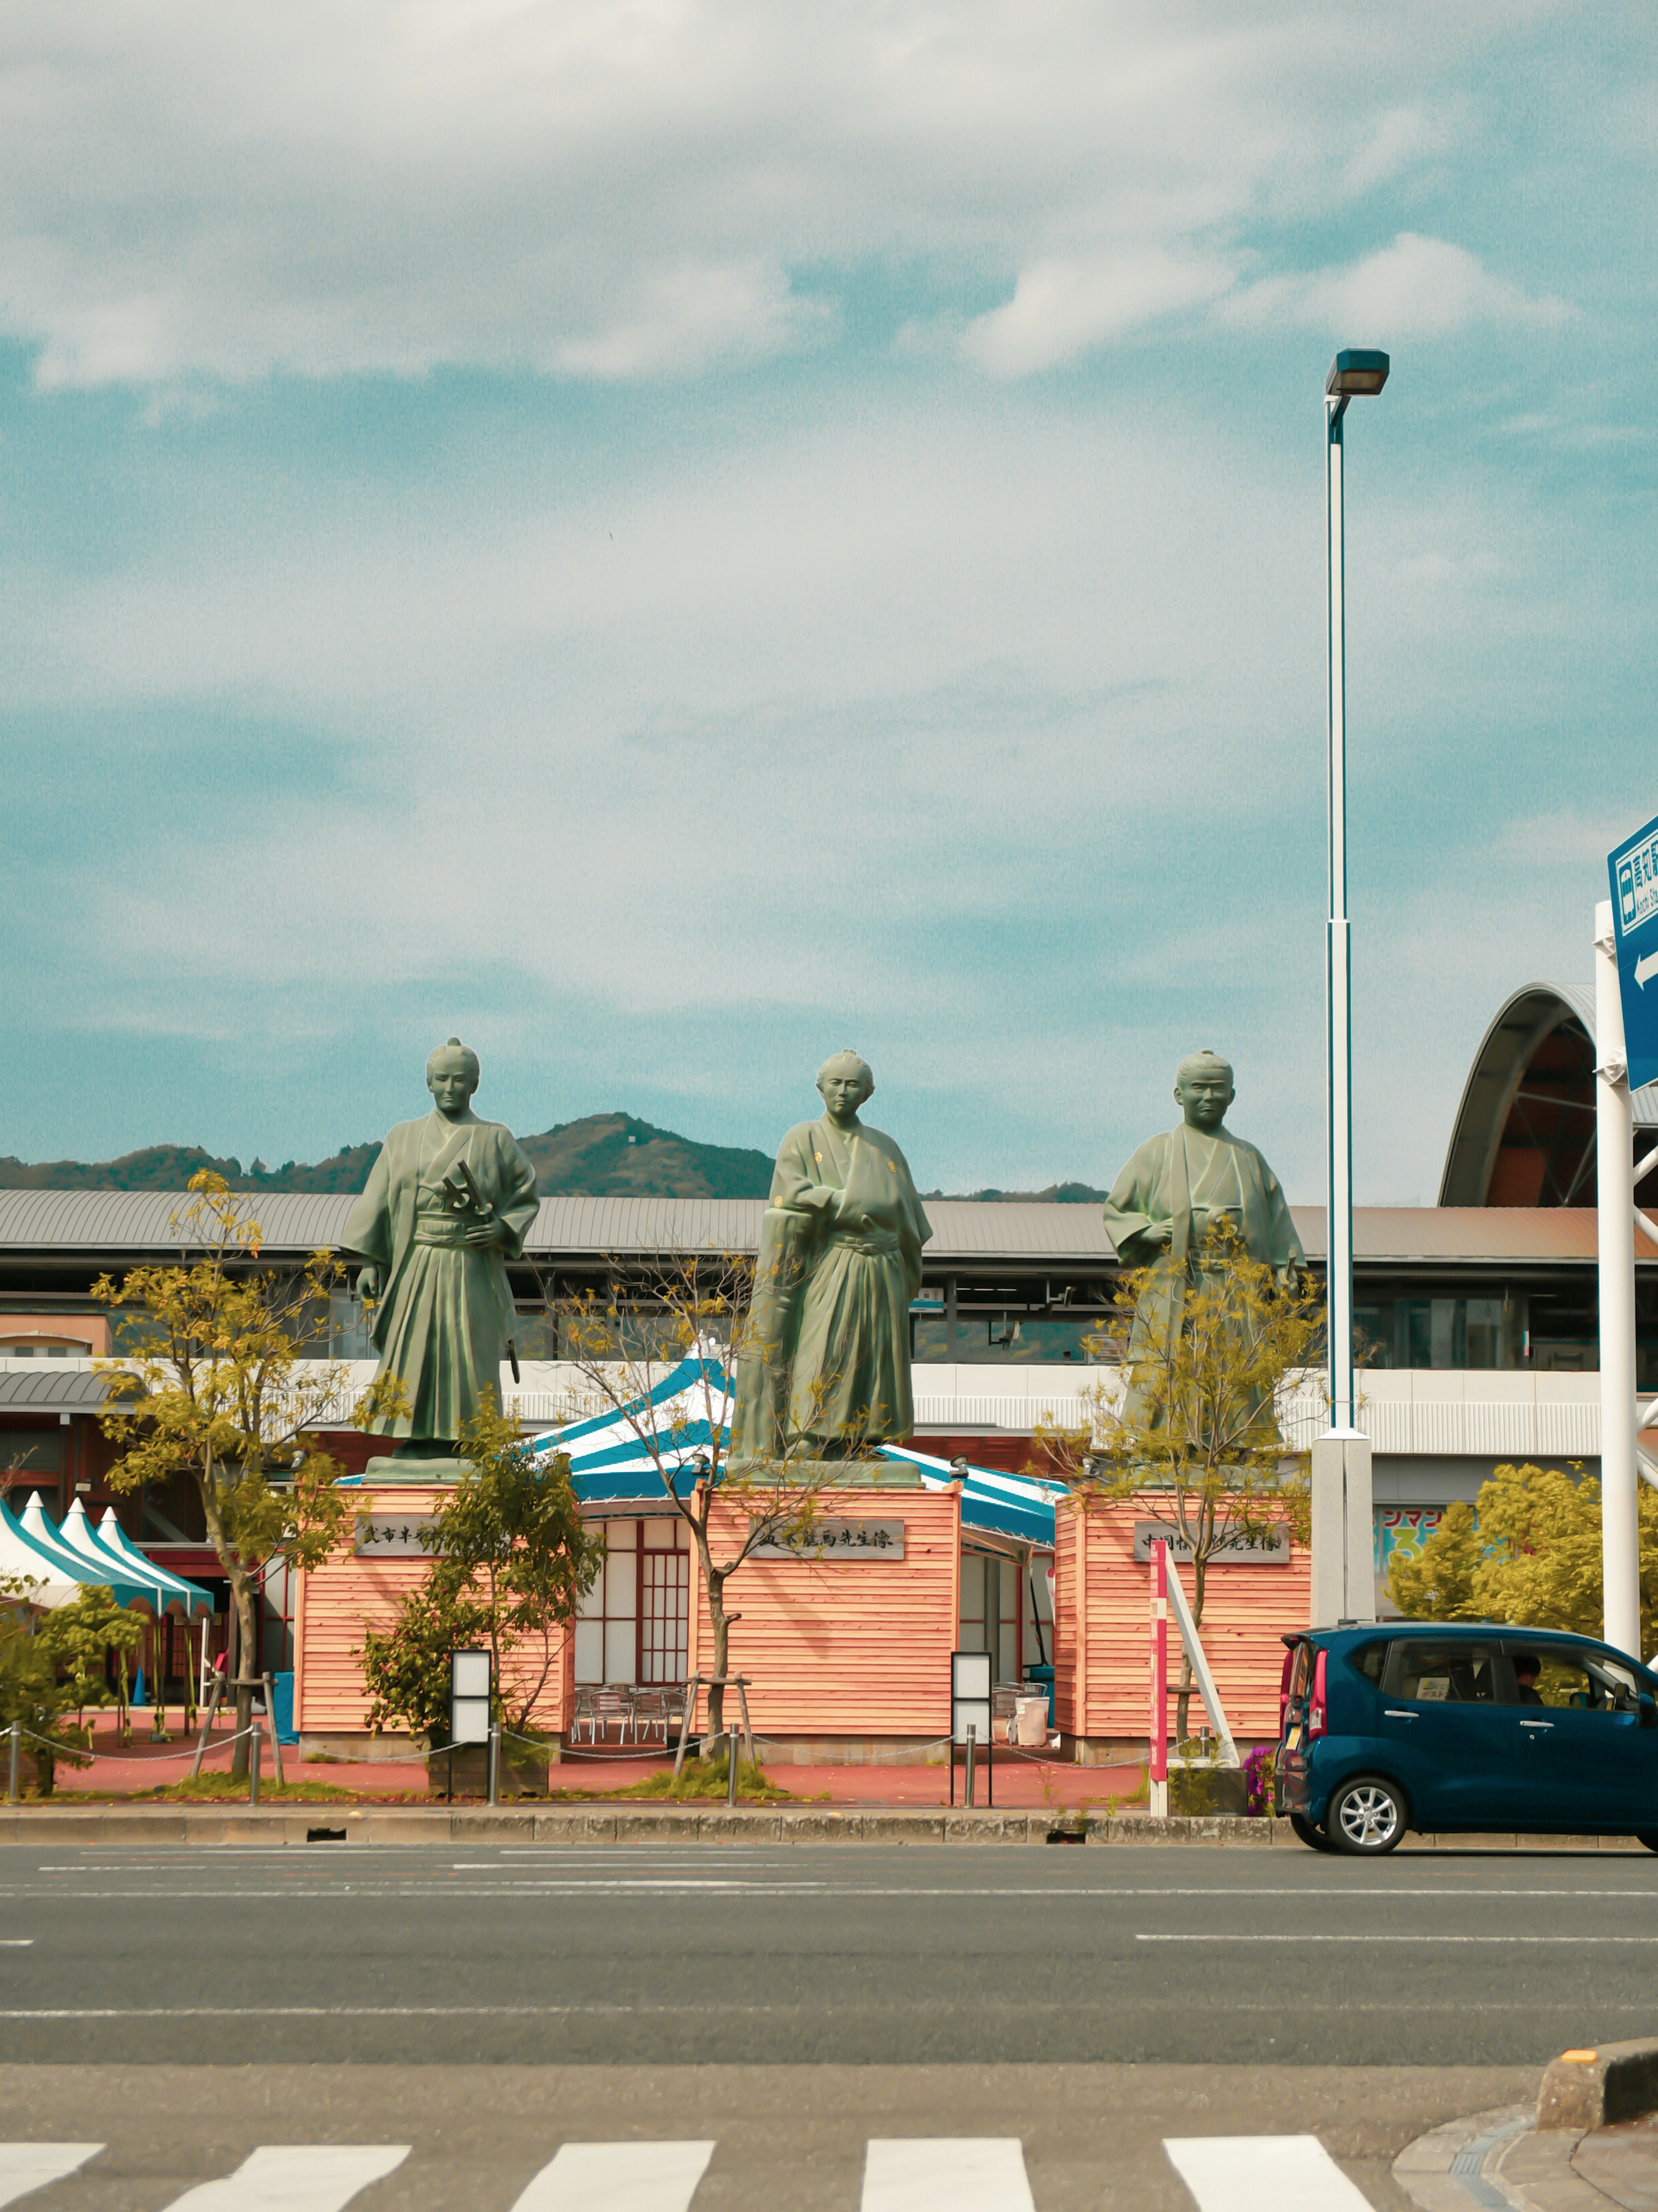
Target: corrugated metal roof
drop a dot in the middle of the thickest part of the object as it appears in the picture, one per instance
(120, 1225)
(124, 1222)
(54, 1389)
(1497, 1233)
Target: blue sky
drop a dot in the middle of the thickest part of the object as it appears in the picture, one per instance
(667, 538)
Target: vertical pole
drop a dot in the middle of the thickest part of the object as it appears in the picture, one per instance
(1338, 1262)
(16, 1754)
(1614, 1167)
(732, 1761)
(276, 1741)
(253, 1764)
(494, 1792)
(1158, 1719)
(972, 1736)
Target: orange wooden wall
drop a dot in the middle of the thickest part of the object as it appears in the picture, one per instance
(844, 1648)
(346, 1596)
(1102, 1602)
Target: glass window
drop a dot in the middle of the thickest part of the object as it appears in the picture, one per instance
(1447, 1674)
(1370, 1661)
(1548, 1675)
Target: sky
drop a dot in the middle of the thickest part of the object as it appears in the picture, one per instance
(666, 538)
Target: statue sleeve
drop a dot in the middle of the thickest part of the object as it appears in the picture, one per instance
(368, 1229)
(515, 1206)
(1127, 1211)
(1287, 1251)
(793, 1185)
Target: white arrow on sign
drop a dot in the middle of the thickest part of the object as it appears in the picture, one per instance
(1646, 969)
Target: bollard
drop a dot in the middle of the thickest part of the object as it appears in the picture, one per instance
(16, 1754)
(253, 1764)
(495, 1762)
(972, 1738)
(731, 1770)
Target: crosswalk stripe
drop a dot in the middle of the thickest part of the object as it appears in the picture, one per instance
(295, 2177)
(1263, 2174)
(618, 2176)
(27, 2165)
(946, 2174)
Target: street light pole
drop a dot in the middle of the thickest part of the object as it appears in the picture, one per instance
(1343, 1576)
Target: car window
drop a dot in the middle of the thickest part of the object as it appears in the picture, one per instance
(1301, 1670)
(1370, 1659)
(1448, 1673)
(1569, 1682)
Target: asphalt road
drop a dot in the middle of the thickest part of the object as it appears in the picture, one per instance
(851, 1954)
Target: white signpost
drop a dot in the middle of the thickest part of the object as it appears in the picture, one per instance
(1626, 1055)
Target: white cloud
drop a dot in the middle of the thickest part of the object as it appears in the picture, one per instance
(1060, 308)
(198, 189)
(684, 320)
(1415, 288)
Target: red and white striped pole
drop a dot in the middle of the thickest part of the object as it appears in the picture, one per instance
(1157, 1730)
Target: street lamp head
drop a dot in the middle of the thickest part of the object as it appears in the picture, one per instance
(1356, 374)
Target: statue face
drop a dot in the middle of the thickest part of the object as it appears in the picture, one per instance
(1204, 1099)
(451, 1081)
(843, 1093)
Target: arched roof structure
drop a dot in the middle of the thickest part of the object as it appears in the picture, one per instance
(1524, 1132)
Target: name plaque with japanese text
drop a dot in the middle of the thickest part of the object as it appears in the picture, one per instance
(839, 1540)
(393, 1537)
(1260, 1547)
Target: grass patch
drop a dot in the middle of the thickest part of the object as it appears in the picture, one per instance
(709, 1778)
(220, 1789)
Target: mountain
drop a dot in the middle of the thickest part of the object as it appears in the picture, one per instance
(600, 1155)
(1055, 1193)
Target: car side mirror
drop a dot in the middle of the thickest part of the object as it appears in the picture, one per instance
(1649, 1706)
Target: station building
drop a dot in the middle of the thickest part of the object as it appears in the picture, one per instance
(1478, 1316)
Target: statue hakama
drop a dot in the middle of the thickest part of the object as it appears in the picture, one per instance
(824, 1366)
(447, 1203)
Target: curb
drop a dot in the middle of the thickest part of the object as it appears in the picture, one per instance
(1589, 2089)
(65, 1823)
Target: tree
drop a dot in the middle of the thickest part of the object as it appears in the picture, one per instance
(624, 1343)
(33, 1696)
(78, 1637)
(511, 1566)
(1527, 1552)
(1193, 1414)
(215, 1383)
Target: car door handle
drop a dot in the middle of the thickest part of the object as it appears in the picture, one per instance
(1392, 1713)
(1537, 1724)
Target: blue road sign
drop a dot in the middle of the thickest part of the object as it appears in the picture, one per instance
(1633, 869)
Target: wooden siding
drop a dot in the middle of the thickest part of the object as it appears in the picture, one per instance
(843, 1649)
(1102, 1607)
(346, 1596)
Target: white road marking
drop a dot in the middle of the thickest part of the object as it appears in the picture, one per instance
(16, 1942)
(618, 2176)
(1301, 1936)
(295, 2177)
(946, 2174)
(1263, 2174)
(29, 2166)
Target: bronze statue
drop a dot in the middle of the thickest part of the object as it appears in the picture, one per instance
(824, 1366)
(447, 1203)
(1177, 1184)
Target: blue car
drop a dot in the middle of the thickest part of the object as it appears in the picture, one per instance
(1434, 1725)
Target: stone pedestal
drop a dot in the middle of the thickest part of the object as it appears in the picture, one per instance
(404, 1467)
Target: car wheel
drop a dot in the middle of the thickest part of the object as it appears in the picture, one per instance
(1649, 1837)
(1315, 1839)
(1366, 1816)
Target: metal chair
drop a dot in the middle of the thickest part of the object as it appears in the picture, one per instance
(614, 1704)
(584, 1707)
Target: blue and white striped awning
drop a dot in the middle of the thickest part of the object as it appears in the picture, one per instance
(676, 1424)
(616, 1455)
